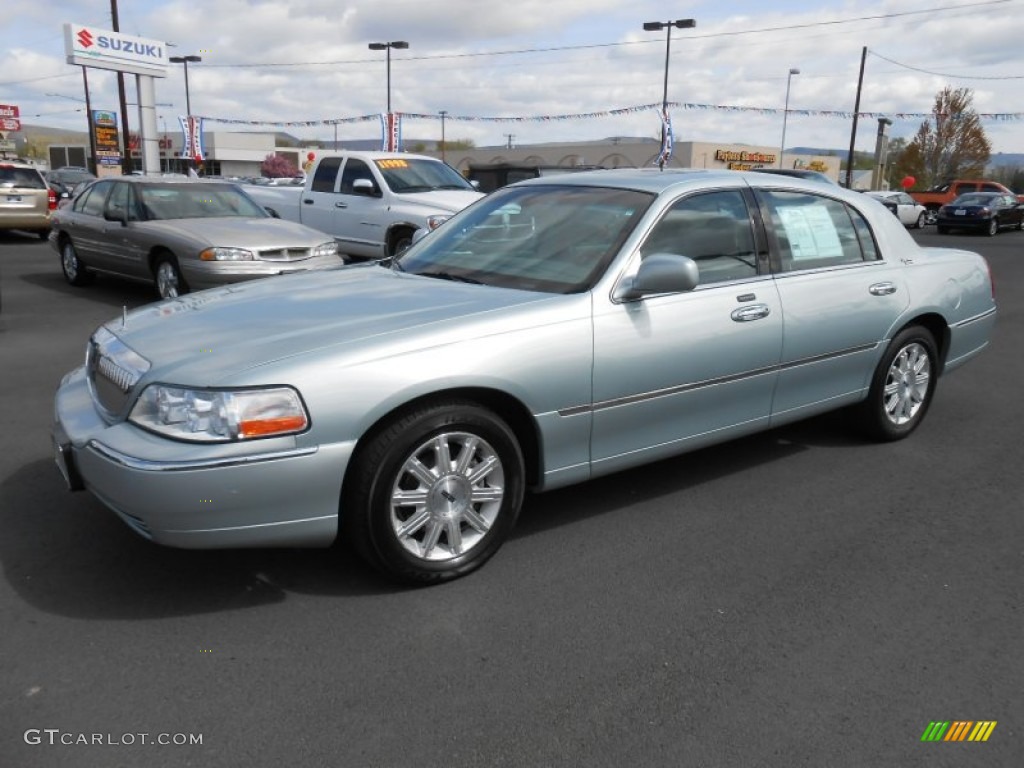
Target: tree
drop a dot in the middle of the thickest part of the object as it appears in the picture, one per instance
(951, 144)
(456, 144)
(277, 167)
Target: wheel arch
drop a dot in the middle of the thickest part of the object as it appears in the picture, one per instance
(935, 324)
(395, 233)
(155, 254)
(508, 408)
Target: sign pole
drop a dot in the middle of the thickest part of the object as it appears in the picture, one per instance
(88, 116)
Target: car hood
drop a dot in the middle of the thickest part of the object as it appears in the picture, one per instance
(241, 232)
(451, 200)
(365, 310)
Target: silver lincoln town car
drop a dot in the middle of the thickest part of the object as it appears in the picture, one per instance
(556, 330)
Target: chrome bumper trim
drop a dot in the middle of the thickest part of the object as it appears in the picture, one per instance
(184, 466)
(976, 318)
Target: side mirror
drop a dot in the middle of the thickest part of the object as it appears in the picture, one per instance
(364, 187)
(116, 213)
(272, 212)
(660, 273)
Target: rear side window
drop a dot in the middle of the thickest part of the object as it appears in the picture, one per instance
(21, 178)
(812, 231)
(92, 202)
(326, 174)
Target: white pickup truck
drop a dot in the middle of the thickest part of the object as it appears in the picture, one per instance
(371, 202)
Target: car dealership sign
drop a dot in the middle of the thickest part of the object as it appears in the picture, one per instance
(101, 48)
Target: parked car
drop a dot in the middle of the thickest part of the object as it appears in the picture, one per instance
(557, 330)
(800, 173)
(65, 179)
(26, 202)
(180, 234)
(986, 212)
(910, 212)
(373, 203)
(948, 191)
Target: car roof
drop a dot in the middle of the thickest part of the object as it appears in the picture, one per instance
(657, 181)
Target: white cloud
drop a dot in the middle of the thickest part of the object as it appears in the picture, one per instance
(724, 61)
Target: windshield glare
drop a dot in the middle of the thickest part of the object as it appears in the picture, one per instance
(412, 175)
(556, 239)
(197, 201)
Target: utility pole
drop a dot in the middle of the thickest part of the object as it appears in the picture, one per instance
(509, 136)
(126, 152)
(856, 114)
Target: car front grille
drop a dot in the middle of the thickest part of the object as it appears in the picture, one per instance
(113, 369)
(285, 254)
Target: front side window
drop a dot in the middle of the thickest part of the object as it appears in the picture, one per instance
(812, 231)
(714, 230)
(356, 170)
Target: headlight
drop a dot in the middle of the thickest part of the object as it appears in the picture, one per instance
(433, 222)
(227, 254)
(206, 415)
(326, 249)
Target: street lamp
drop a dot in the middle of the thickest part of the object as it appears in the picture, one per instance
(443, 113)
(655, 26)
(785, 112)
(400, 44)
(185, 60)
(188, 103)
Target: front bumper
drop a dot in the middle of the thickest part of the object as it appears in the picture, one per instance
(264, 493)
(210, 274)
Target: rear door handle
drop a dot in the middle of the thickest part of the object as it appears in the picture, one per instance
(882, 289)
(752, 312)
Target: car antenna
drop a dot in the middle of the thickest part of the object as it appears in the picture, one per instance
(124, 316)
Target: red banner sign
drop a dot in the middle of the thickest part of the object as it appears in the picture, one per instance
(10, 124)
(9, 110)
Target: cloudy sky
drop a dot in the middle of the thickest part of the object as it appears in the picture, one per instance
(307, 60)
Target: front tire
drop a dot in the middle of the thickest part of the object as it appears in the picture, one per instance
(902, 386)
(168, 279)
(75, 272)
(435, 492)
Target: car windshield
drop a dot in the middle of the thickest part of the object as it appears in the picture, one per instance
(975, 198)
(556, 239)
(197, 201)
(420, 175)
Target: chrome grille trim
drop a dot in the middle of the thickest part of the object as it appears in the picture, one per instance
(285, 254)
(113, 369)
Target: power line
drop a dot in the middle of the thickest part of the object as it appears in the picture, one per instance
(592, 46)
(942, 74)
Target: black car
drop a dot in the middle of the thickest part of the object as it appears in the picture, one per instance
(986, 212)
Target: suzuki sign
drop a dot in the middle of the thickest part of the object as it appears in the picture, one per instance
(101, 48)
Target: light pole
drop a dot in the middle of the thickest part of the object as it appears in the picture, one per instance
(785, 112)
(185, 60)
(654, 26)
(188, 103)
(400, 44)
(443, 113)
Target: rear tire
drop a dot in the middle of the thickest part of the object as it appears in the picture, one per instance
(902, 386)
(919, 224)
(435, 492)
(993, 227)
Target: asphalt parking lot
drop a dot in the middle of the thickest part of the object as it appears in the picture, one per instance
(799, 597)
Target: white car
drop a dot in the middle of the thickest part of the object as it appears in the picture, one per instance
(910, 212)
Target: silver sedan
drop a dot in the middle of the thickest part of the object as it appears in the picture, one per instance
(556, 330)
(181, 234)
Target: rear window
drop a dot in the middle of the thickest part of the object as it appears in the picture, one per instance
(21, 178)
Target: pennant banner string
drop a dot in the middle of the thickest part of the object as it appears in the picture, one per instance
(986, 116)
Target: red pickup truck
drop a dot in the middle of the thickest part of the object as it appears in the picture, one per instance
(948, 191)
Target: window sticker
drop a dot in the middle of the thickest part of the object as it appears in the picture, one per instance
(393, 163)
(811, 232)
